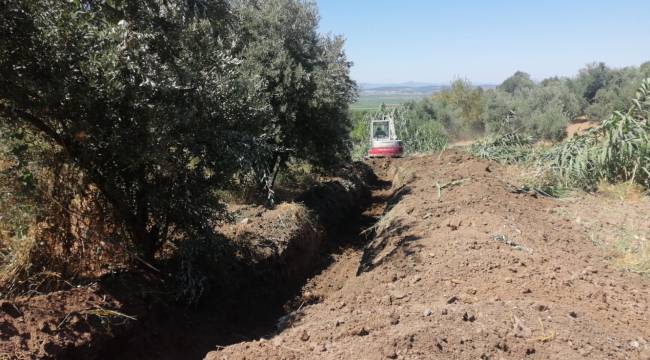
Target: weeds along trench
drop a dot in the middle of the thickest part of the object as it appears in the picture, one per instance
(286, 247)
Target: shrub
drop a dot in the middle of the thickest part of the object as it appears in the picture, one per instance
(616, 151)
(509, 148)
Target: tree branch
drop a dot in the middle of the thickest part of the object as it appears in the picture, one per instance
(35, 122)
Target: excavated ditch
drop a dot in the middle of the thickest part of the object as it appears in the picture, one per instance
(288, 245)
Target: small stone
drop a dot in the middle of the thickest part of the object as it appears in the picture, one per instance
(444, 311)
(362, 332)
(390, 353)
(47, 327)
(502, 345)
(10, 308)
(472, 291)
(541, 307)
(427, 312)
(527, 291)
(508, 280)
(440, 342)
(304, 336)
(469, 317)
(634, 344)
(452, 300)
(394, 319)
(585, 351)
(573, 314)
(245, 221)
(415, 279)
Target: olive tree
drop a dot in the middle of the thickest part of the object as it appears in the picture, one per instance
(305, 76)
(143, 97)
(159, 103)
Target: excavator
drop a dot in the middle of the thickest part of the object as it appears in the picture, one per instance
(383, 139)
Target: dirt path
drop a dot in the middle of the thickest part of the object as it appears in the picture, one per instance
(465, 266)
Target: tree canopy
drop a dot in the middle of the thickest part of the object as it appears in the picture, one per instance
(159, 103)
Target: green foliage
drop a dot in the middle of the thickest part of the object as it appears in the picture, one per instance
(542, 111)
(518, 105)
(520, 81)
(467, 103)
(415, 123)
(419, 134)
(305, 76)
(592, 79)
(359, 135)
(159, 104)
(509, 148)
(616, 151)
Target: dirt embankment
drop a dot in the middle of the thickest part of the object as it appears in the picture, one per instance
(132, 316)
(465, 265)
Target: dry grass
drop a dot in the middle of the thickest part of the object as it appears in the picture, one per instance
(626, 191)
(633, 251)
(16, 263)
(385, 223)
(401, 176)
(294, 213)
(616, 220)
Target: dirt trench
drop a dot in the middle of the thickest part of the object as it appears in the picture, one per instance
(465, 264)
(133, 315)
(451, 259)
(286, 250)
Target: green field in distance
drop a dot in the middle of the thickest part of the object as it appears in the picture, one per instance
(374, 101)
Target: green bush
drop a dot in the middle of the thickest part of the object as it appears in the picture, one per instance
(616, 151)
(510, 148)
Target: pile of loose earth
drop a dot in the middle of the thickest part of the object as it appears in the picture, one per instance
(136, 314)
(464, 264)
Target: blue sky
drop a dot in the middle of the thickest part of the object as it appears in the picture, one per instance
(485, 41)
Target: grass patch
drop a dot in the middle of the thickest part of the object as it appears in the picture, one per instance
(633, 252)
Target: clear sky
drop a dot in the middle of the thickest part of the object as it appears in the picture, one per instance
(393, 41)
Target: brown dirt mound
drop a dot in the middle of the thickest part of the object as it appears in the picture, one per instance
(75, 323)
(133, 315)
(464, 265)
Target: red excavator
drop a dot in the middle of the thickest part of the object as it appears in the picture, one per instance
(384, 142)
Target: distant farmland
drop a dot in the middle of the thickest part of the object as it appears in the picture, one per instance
(374, 101)
(372, 96)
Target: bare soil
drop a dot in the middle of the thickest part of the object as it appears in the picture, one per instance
(465, 265)
(267, 255)
(580, 127)
(453, 261)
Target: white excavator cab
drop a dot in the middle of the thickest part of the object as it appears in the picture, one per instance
(384, 142)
